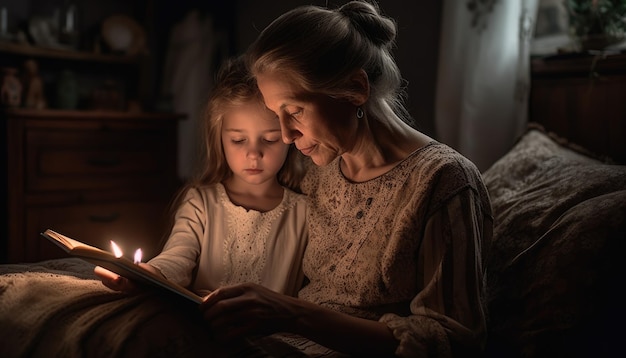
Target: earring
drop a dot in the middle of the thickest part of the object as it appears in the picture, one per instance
(359, 112)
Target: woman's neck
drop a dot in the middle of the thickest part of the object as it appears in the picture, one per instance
(380, 149)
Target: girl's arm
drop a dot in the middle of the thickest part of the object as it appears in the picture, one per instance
(178, 255)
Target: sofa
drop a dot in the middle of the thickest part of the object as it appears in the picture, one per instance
(556, 263)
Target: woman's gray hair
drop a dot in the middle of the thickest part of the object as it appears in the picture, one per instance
(320, 49)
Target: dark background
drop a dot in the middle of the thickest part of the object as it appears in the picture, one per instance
(241, 20)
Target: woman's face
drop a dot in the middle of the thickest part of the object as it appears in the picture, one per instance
(321, 127)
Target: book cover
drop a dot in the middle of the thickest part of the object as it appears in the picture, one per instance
(120, 265)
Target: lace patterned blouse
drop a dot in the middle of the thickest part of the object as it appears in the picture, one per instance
(215, 243)
(405, 248)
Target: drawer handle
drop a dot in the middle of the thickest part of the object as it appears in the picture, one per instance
(104, 218)
(104, 162)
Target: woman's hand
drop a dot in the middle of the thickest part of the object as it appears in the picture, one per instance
(118, 283)
(248, 308)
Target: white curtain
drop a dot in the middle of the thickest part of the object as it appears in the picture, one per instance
(484, 76)
(188, 77)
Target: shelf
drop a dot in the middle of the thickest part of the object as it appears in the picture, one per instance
(89, 114)
(578, 64)
(62, 54)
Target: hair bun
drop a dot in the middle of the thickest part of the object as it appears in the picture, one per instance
(366, 17)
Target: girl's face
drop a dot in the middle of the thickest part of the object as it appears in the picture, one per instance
(321, 127)
(252, 144)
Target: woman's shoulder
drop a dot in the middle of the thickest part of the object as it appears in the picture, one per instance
(448, 172)
(437, 159)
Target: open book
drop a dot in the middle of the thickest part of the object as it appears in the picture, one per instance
(120, 265)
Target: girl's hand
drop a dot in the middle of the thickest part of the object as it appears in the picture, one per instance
(118, 283)
(248, 308)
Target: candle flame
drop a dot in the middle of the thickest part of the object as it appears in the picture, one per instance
(137, 256)
(116, 250)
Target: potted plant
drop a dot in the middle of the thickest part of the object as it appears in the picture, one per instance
(596, 24)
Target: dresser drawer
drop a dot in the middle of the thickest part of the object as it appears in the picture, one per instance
(95, 159)
(131, 225)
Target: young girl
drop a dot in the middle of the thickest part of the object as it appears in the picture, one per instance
(240, 220)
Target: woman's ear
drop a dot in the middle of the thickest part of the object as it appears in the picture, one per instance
(361, 87)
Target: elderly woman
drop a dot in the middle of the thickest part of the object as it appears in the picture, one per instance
(398, 222)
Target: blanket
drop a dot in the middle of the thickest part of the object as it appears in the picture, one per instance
(58, 308)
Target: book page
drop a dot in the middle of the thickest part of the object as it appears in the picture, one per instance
(119, 265)
(66, 241)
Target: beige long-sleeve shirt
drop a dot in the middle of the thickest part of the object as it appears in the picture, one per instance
(215, 243)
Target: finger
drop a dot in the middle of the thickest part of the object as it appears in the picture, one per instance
(114, 284)
(114, 281)
(109, 279)
(219, 296)
(225, 306)
(232, 317)
(103, 273)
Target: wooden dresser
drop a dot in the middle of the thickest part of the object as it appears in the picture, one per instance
(94, 176)
(583, 98)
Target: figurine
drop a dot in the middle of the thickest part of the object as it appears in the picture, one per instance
(33, 86)
(11, 90)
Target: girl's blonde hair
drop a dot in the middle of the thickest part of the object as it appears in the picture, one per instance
(234, 88)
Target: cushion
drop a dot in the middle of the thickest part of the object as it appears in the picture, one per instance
(559, 235)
